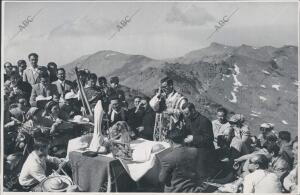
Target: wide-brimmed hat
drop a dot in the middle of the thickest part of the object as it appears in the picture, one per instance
(71, 95)
(50, 105)
(80, 119)
(267, 125)
(42, 98)
(237, 118)
(31, 112)
(56, 183)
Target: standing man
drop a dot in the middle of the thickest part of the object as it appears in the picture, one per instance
(199, 128)
(168, 104)
(22, 66)
(199, 134)
(31, 74)
(63, 86)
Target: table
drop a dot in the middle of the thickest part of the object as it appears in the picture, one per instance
(99, 174)
(104, 173)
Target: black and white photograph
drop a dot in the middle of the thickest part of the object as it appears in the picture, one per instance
(149, 96)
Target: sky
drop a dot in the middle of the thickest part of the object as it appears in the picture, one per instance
(64, 31)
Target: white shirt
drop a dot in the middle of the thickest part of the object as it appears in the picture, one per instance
(262, 181)
(34, 169)
(219, 128)
(61, 82)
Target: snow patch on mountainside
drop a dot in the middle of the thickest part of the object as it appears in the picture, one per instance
(276, 87)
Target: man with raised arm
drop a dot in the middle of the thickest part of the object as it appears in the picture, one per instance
(168, 104)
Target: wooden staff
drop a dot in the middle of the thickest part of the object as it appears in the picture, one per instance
(83, 97)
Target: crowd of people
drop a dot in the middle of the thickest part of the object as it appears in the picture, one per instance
(43, 110)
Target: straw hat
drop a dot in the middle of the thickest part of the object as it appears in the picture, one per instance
(57, 183)
(42, 98)
(80, 119)
(71, 95)
(237, 118)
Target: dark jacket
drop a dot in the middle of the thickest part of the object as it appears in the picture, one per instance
(201, 128)
(134, 118)
(148, 122)
(24, 87)
(178, 170)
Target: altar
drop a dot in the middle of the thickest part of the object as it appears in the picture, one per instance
(103, 173)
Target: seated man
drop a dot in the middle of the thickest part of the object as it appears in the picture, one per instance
(284, 139)
(36, 125)
(220, 124)
(148, 119)
(35, 167)
(20, 111)
(116, 112)
(44, 88)
(266, 129)
(260, 180)
(63, 86)
(290, 182)
(15, 88)
(237, 123)
(178, 167)
(71, 105)
(134, 114)
(278, 165)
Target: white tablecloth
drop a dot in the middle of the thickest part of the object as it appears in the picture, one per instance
(143, 158)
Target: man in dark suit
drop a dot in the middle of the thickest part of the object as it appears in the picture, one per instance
(44, 88)
(134, 115)
(16, 88)
(63, 86)
(198, 128)
(52, 69)
(116, 112)
(178, 167)
(148, 120)
(199, 134)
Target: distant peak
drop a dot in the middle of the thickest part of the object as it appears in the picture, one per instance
(246, 46)
(215, 44)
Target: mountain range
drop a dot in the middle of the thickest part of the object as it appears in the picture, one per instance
(260, 83)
